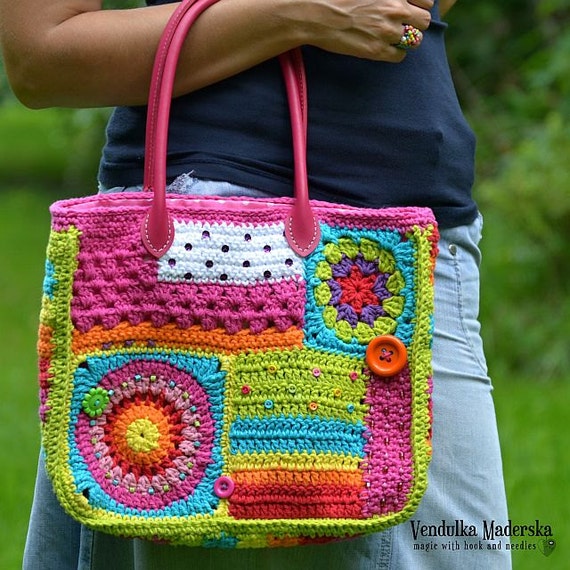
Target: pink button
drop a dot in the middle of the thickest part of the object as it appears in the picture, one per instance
(224, 487)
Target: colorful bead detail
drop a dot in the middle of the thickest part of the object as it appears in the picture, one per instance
(152, 436)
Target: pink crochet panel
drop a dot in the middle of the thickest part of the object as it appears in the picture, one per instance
(253, 285)
(389, 466)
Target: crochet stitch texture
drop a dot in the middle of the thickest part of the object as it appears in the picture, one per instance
(220, 395)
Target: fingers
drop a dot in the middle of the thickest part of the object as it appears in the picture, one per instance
(369, 29)
(420, 16)
(423, 4)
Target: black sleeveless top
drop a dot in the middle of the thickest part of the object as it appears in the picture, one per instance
(380, 134)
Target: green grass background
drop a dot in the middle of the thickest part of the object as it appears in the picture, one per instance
(533, 414)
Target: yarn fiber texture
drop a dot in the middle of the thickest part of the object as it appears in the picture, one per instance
(220, 396)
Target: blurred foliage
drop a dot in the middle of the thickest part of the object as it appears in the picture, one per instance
(526, 300)
(510, 64)
(56, 149)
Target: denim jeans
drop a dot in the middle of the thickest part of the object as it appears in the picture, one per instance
(465, 476)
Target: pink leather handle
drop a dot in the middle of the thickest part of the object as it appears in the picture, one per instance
(301, 226)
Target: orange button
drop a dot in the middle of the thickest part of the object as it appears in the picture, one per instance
(386, 355)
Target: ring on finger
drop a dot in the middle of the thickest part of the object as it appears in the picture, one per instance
(411, 38)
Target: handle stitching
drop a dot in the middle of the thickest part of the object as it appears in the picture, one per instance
(156, 251)
(309, 248)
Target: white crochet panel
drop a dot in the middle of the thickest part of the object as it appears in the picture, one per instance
(228, 253)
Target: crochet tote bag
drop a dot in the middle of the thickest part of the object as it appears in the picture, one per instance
(235, 372)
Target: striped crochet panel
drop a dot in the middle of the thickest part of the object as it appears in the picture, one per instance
(226, 384)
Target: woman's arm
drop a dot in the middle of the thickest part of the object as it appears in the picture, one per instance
(74, 53)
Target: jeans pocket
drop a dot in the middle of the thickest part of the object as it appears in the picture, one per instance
(457, 302)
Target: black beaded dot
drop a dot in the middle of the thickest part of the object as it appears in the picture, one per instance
(205, 234)
(267, 249)
(188, 247)
(223, 277)
(209, 263)
(247, 237)
(246, 263)
(225, 248)
(188, 275)
(267, 274)
(172, 262)
(288, 262)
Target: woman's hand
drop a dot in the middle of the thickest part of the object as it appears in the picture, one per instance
(367, 29)
(73, 53)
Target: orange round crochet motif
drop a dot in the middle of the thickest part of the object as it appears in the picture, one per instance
(141, 434)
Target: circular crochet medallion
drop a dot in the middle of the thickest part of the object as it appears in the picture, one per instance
(358, 285)
(145, 433)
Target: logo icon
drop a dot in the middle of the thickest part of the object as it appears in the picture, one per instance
(547, 546)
